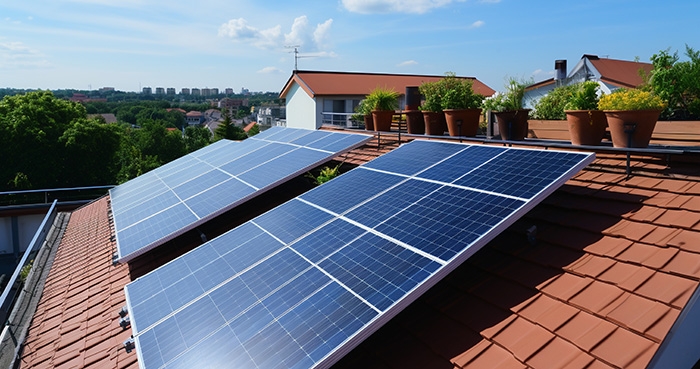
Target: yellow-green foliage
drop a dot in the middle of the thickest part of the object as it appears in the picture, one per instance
(631, 99)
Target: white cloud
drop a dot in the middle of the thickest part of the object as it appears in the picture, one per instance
(14, 55)
(393, 6)
(270, 70)
(300, 34)
(477, 24)
(407, 63)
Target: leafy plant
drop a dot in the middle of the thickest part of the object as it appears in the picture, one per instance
(383, 99)
(677, 82)
(631, 99)
(362, 109)
(511, 99)
(432, 91)
(584, 97)
(325, 175)
(449, 92)
(552, 105)
(24, 272)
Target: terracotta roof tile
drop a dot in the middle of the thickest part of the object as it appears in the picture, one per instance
(685, 264)
(548, 312)
(597, 296)
(647, 255)
(565, 286)
(679, 218)
(523, 338)
(686, 240)
(658, 330)
(494, 357)
(76, 325)
(590, 265)
(638, 313)
(559, 353)
(586, 330)
(623, 348)
(669, 289)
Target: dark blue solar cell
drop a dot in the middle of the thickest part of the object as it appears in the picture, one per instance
(521, 173)
(311, 137)
(247, 162)
(378, 270)
(291, 220)
(201, 183)
(198, 319)
(336, 196)
(338, 143)
(386, 205)
(463, 162)
(219, 197)
(233, 152)
(147, 208)
(187, 174)
(288, 135)
(268, 133)
(446, 222)
(147, 344)
(327, 240)
(412, 158)
(152, 229)
(293, 163)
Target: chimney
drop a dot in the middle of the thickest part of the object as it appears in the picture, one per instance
(560, 67)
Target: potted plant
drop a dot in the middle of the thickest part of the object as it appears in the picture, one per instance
(586, 123)
(508, 108)
(631, 115)
(363, 112)
(384, 103)
(431, 107)
(460, 105)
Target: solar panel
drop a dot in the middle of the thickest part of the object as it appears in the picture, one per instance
(301, 285)
(176, 197)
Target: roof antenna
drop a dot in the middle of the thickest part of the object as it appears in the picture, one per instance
(296, 55)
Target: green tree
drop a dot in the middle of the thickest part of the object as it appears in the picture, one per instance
(228, 130)
(196, 137)
(30, 128)
(254, 130)
(91, 151)
(677, 82)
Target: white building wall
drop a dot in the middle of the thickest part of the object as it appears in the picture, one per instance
(302, 109)
(27, 226)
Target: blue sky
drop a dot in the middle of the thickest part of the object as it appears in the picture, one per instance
(129, 44)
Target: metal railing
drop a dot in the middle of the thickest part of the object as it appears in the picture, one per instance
(46, 196)
(12, 289)
(339, 119)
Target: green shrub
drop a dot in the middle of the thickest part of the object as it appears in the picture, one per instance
(584, 97)
(551, 106)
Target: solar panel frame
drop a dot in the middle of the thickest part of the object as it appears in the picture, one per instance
(250, 161)
(388, 301)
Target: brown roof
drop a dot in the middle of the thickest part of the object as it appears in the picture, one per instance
(76, 324)
(317, 83)
(615, 261)
(622, 73)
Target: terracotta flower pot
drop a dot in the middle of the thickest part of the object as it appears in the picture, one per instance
(414, 122)
(382, 119)
(637, 123)
(512, 124)
(369, 122)
(462, 122)
(586, 127)
(435, 124)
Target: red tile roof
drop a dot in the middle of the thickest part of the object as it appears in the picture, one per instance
(76, 324)
(317, 83)
(622, 73)
(615, 261)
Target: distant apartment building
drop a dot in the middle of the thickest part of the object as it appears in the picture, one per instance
(228, 102)
(271, 115)
(214, 91)
(206, 92)
(196, 92)
(160, 91)
(185, 91)
(82, 98)
(147, 91)
(106, 89)
(229, 91)
(170, 91)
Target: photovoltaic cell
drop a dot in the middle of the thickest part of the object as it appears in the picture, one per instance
(176, 197)
(301, 285)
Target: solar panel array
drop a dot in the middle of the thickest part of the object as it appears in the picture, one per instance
(176, 197)
(301, 285)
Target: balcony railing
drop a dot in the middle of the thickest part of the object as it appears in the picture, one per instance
(339, 120)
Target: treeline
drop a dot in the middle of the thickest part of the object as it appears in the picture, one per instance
(48, 142)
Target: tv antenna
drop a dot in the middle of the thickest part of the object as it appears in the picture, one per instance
(296, 55)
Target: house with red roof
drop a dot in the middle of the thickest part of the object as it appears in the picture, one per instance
(610, 74)
(316, 98)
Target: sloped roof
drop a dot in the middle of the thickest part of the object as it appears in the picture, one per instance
(76, 324)
(622, 73)
(317, 83)
(614, 263)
